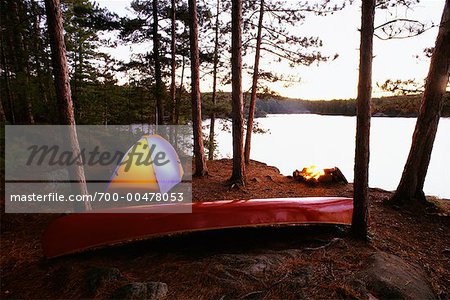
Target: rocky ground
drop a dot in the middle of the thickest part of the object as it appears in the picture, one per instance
(408, 256)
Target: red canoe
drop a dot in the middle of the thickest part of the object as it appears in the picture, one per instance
(78, 232)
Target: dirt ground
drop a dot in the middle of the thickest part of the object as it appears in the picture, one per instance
(263, 263)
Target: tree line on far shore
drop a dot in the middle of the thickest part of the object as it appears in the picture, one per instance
(391, 106)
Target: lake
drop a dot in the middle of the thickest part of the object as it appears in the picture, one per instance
(298, 140)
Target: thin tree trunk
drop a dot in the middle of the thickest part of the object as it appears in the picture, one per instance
(77, 80)
(63, 95)
(174, 64)
(105, 111)
(180, 92)
(38, 48)
(410, 188)
(361, 181)
(2, 112)
(158, 76)
(214, 92)
(22, 65)
(200, 163)
(10, 101)
(251, 112)
(28, 99)
(238, 174)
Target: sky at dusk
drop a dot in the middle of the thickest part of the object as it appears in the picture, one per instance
(393, 59)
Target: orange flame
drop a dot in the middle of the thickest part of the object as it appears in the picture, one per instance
(312, 172)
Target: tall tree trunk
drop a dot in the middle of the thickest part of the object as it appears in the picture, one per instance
(251, 111)
(174, 63)
(361, 181)
(238, 174)
(157, 62)
(410, 188)
(199, 156)
(214, 92)
(64, 99)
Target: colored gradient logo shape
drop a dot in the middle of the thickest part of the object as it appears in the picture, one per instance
(151, 165)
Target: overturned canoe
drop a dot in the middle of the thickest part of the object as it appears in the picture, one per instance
(78, 232)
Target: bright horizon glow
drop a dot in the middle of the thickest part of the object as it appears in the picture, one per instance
(393, 59)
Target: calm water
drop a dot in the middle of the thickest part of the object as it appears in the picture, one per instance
(295, 141)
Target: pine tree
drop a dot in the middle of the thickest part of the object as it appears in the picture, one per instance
(199, 156)
(238, 173)
(361, 178)
(410, 188)
(64, 98)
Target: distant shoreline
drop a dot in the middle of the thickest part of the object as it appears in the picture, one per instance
(377, 115)
(394, 106)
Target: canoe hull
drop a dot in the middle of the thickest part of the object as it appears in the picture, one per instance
(82, 231)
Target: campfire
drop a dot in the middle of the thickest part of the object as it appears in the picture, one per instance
(316, 175)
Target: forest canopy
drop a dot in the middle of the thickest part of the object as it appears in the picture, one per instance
(101, 96)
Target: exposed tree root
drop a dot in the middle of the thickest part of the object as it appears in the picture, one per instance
(330, 243)
(417, 203)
